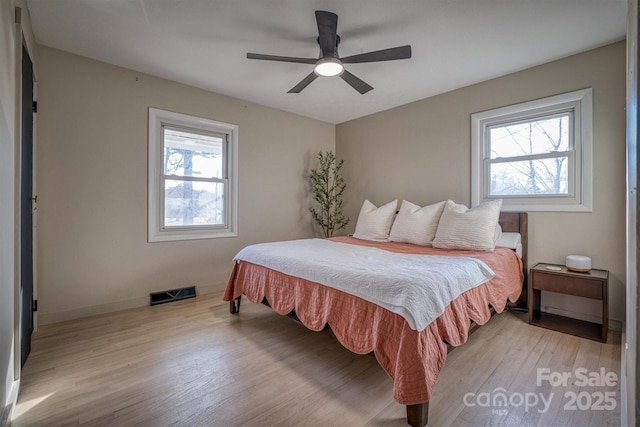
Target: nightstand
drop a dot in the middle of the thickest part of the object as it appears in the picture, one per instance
(592, 284)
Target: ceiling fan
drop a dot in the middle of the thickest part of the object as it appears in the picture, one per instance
(329, 64)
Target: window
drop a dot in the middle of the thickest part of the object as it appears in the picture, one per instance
(536, 156)
(192, 177)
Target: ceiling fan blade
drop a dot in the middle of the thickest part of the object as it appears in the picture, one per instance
(355, 82)
(304, 83)
(327, 32)
(401, 52)
(282, 58)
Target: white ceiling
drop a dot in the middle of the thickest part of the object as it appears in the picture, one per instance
(203, 43)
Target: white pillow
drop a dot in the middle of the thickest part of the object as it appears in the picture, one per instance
(416, 225)
(509, 240)
(468, 229)
(374, 223)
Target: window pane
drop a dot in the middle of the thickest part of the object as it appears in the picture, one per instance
(192, 154)
(543, 176)
(193, 203)
(537, 136)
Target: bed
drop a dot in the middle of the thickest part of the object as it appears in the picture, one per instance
(412, 357)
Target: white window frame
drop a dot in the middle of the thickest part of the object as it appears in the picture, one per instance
(156, 230)
(580, 197)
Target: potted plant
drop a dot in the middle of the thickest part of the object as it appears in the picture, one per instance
(327, 186)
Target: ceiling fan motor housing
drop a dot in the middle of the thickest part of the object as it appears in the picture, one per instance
(335, 53)
(329, 63)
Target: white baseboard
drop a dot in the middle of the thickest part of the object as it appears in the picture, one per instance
(4, 415)
(202, 290)
(624, 408)
(7, 411)
(46, 318)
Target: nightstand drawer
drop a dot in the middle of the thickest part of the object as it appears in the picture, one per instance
(582, 287)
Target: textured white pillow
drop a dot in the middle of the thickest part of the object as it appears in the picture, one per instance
(374, 223)
(416, 225)
(468, 229)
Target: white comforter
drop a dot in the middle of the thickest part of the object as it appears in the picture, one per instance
(417, 287)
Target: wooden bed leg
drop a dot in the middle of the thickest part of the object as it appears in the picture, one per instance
(234, 305)
(418, 415)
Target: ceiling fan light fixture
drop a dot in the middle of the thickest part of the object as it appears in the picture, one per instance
(329, 63)
(329, 67)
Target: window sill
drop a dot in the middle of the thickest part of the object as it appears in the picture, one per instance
(172, 236)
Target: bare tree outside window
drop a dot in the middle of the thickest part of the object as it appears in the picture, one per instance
(530, 157)
(537, 155)
(192, 164)
(192, 177)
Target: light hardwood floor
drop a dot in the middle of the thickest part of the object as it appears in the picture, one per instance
(191, 363)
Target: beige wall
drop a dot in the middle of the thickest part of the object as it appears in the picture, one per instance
(93, 254)
(92, 250)
(421, 152)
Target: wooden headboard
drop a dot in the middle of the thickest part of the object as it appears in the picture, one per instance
(517, 222)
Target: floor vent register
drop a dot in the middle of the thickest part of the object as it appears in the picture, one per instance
(162, 297)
